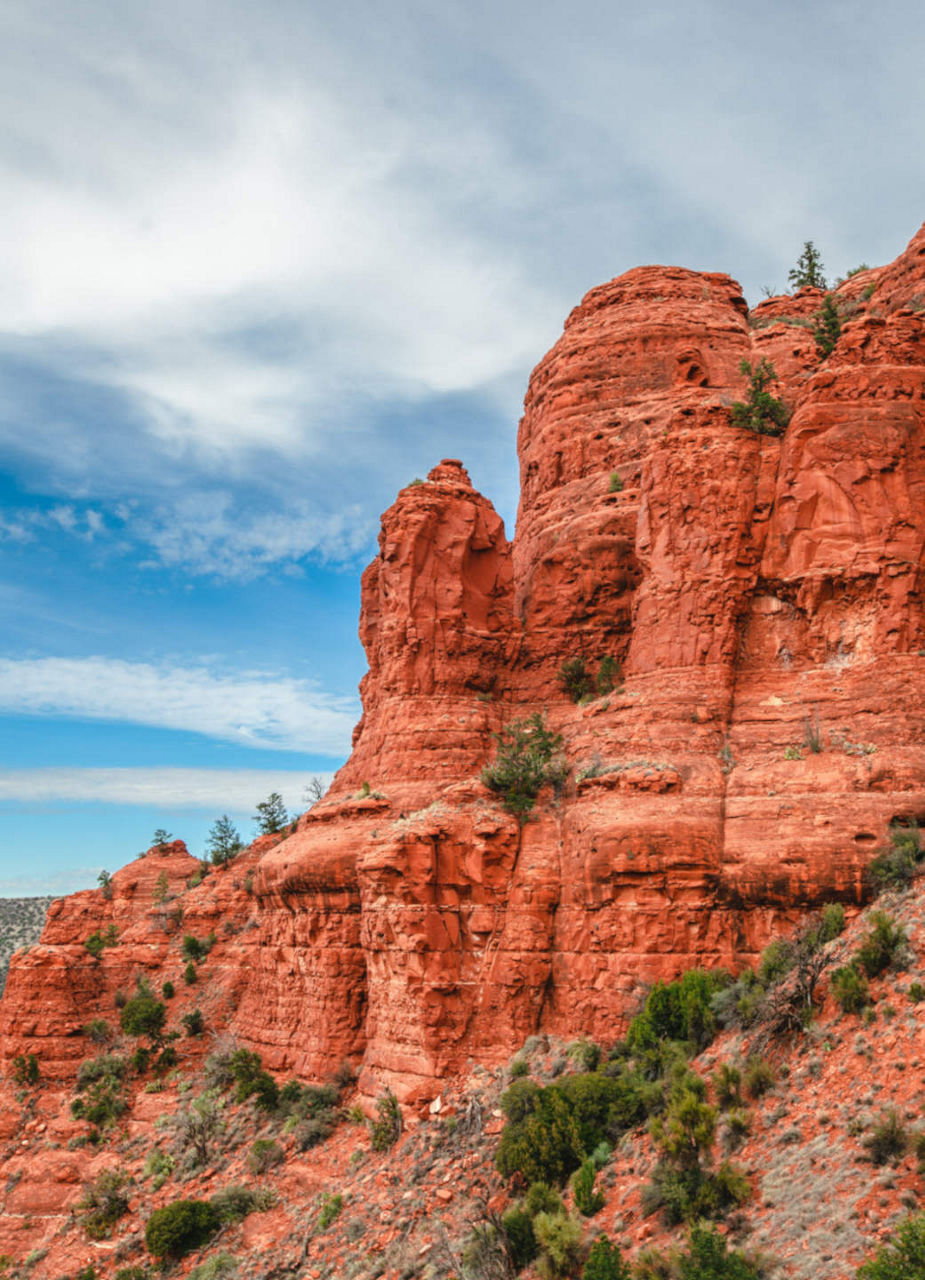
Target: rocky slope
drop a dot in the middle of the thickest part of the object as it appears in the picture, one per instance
(21, 923)
(763, 597)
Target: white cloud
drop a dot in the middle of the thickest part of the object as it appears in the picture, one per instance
(49, 883)
(232, 791)
(256, 709)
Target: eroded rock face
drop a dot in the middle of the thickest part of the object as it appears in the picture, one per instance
(764, 598)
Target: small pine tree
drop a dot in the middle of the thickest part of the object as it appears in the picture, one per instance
(161, 885)
(224, 841)
(271, 815)
(826, 326)
(104, 880)
(161, 837)
(807, 274)
(761, 412)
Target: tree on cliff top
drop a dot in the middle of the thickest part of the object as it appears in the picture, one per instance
(271, 815)
(807, 274)
(224, 840)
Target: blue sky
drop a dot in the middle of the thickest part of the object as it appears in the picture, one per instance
(262, 265)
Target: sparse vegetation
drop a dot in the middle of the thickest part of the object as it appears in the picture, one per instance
(330, 1210)
(26, 1069)
(103, 1204)
(887, 1139)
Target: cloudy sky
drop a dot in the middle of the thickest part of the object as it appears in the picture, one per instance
(262, 265)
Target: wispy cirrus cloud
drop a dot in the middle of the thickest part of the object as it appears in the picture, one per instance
(258, 709)
(234, 791)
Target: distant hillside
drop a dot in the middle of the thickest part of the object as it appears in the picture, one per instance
(21, 924)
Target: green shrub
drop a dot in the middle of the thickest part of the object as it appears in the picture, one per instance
(197, 948)
(681, 1010)
(544, 1146)
(605, 1262)
(759, 1077)
(527, 759)
(99, 1083)
(385, 1130)
(517, 1225)
(143, 1014)
(826, 327)
(575, 679)
(98, 941)
(252, 1081)
(194, 1022)
(616, 482)
(264, 1155)
(168, 990)
(587, 1201)
(26, 1069)
(98, 1030)
(166, 1060)
(609, 673)
(485, 1253)
(682, 1183)
(727, 1085)
(915, 993)
(103, 1204)
(831, 921)
(313, 1130)
(158, 1167)
(760, 411)
(197, 1127)
(584, 1054)
(329, 1211)
(903, 1257)
(190, 976)
(133, 1273)
(520, 1099)
(887, 1140)
(895, 867)
(223, 1264)
(709, 1258)
(559, 1239)
(849, 988)
(233, 1203)
(519, 1067)
(140, 1059)
(178, 1228)
(879, 948)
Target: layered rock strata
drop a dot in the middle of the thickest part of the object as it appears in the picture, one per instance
(764, 599)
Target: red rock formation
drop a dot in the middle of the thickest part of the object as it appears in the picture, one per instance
(763, 595)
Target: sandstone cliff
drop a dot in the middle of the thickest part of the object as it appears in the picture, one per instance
(762, 596)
